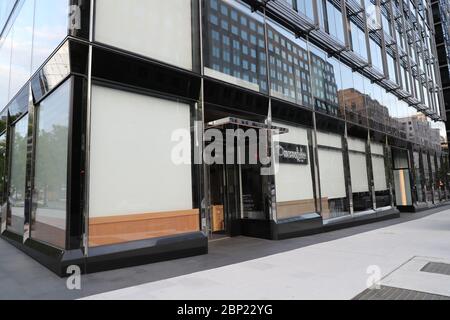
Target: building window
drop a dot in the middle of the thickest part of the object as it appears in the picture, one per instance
(50, 180)
(359, 175)
(2, 167)
(19, 134)
(139, 187)
(332, 176)
(295, 195)
(160, 30)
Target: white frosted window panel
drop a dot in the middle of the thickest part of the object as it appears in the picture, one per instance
(379, 173)
(131, 169)
(157, 29)
(377, 148)
(332, 179)
(356, 144)
(329, 140)
(293, 181)
(358, 171)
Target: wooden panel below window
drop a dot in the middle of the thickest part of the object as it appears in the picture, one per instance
(293, 209)
(125, 228)
(218, 218)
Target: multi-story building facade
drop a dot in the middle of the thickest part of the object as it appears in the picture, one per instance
(109, 107)
(441, 15)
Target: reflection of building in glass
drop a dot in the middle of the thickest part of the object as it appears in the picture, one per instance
(359, 107)
(419, 130)
(324, 86)
(441, 14)
(235, 47)
(353, 103)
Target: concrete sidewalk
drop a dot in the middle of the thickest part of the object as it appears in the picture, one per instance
(335, 269)
(332, 265)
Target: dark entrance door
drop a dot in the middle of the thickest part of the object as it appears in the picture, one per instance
(239, 193)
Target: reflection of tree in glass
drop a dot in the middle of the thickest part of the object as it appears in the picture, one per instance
(2, 165)
(51, 166)
(19, 159)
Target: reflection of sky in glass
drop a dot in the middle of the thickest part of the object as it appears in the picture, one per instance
(49, 29)
(51, 23)
(49, 118)
(22, 46)
(5, 8)
(5, 60)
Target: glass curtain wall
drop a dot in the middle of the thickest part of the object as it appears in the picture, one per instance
(289, 66)
(234, 47)
(303, 74)
(326, 82)
(38, 27)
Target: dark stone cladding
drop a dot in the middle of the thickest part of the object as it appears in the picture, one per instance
(113, 256)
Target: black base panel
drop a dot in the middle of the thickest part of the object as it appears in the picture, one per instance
(299, 227)
(271, 230)
(409, 208)
(145, 252)
(262, 229)
(114, 256)
(358, 221)
(422, 206)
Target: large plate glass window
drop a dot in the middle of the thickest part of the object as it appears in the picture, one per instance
(362, 198)
(306, 7)
(418, 177)
(332, 176)
(326, 82)
(334, 17)
(234, 44)
(427, 179)
(140, 168)
(289, 65)
(161, 30)
(295, 195)
(18, 161)
(380, 178)
(50, 177)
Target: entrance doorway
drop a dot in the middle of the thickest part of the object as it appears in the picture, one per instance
(239, 193)
(236, 194)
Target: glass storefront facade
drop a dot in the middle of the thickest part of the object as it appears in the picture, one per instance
(103, 139)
